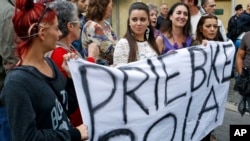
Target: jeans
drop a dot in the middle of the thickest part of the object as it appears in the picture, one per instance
(248, 102)
(4, 126)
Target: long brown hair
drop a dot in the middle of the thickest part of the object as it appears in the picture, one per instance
(167, 25)
(131, 40)
(199, 34)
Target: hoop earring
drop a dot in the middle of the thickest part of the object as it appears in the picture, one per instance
(147, 33)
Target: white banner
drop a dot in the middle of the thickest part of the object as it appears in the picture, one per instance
(176, 97)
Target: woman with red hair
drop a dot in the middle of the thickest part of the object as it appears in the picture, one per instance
(34, 91)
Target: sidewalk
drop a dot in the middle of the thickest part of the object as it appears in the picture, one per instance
(233, 97)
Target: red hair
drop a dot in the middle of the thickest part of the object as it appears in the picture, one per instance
(26, 19)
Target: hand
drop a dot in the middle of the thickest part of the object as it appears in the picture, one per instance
(93, 50)
(67, 57)
(83, 129)
(204, 42)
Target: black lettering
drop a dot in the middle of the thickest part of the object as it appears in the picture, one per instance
(131, 93)
(228, 62)
(168, 77)
(169, 115)
(118, 132)
(85, 85)
(197, 68)
(156, 82)
(185, 120)
(213, 60)
(205, 109)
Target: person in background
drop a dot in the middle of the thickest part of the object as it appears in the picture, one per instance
(195, 14)
(234, 31)
(244, 20)
(209, 7)
(163, 15)
(7, 58)
(232, 28)
(99, 31)
(82, 8)
(69, 25)
(34, 91)
(176, 31)
(138, 42)
(153, 18)
(207, 30)
(243, 69)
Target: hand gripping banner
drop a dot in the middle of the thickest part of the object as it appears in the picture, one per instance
(180, 96)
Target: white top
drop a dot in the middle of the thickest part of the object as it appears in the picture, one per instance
(121, 53)
(222, 30)
(194, 22)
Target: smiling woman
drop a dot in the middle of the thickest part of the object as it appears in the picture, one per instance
(176, 29)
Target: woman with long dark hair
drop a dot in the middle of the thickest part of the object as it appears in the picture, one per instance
(176, 30)
(139, 41)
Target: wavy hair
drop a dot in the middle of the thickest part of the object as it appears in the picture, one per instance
(199, 34)
(167, 25)
(97, 9)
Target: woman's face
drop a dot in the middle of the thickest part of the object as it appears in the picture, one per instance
(209, 29)
(153, 17)
(138, 22)
(76, 28)
(179, 17)
(108, 10)
(52, 34)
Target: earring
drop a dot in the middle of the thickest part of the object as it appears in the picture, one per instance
(147, 33)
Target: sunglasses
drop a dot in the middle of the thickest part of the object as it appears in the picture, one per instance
(47, 8)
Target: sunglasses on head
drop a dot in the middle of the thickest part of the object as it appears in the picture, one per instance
(47, 8)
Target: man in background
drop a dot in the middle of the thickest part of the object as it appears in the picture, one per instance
(82, 8)
(244, 20)
(163, 15)
(195, 14)
(7, 58)
(232, 29)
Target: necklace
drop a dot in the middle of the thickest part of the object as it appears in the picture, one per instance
(47, 69)
(175, 43)
(43, 68)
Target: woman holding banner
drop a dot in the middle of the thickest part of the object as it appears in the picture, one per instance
(176, 29)
(69, 25)
(139, 41)
(207, 30)
(35, 108)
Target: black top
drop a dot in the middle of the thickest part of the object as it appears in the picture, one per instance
(35, 110)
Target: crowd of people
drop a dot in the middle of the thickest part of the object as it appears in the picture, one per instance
(38, 38)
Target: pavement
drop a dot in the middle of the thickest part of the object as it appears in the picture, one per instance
(233, 98)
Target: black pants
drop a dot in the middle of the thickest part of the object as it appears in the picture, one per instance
(207, 137)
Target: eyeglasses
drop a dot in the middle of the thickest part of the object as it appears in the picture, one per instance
(76, 21)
